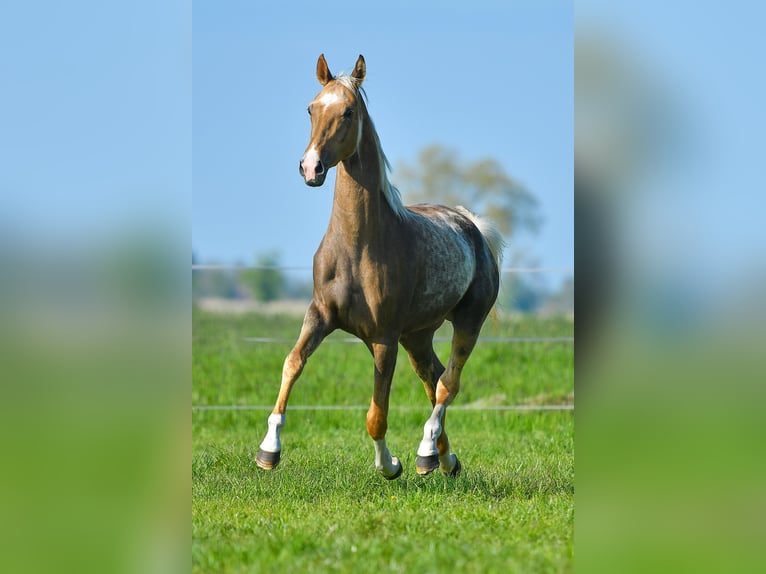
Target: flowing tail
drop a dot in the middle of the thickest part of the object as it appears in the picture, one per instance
(490, 234)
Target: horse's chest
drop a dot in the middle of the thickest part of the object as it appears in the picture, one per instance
(361, 295)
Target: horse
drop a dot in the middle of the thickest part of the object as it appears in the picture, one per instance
(388, 274)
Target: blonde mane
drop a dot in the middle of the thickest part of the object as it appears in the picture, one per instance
(392, 195)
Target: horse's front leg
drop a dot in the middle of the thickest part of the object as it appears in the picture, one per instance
(377, 416)
(315, 329)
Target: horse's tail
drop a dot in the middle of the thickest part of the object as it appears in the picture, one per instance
(489, 232)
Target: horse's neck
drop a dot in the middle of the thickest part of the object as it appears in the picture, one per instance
(360, 210)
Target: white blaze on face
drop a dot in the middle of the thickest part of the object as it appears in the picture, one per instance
(329, 99)
(309, 163)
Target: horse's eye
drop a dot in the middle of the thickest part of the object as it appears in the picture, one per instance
(308, 110)
(348, 113)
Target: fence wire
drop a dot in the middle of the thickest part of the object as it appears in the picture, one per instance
(436, 340)
(214, 267)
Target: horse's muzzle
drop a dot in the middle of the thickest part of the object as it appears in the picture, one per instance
(313, 173)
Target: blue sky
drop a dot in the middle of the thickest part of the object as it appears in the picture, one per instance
(95, 115)
(112, 111)
(694, 214)
(490, 79)
(118, 113)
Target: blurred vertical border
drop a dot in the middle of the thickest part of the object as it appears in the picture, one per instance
(95, 184)
(96, 148)
(669, 124)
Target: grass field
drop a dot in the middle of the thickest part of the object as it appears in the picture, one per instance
(325, 509)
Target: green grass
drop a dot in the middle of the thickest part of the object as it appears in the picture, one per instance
(325, 509)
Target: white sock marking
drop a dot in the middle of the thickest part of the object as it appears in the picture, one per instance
(384, 462)
(431, 431)
(272, 443)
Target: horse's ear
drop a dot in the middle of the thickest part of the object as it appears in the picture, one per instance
(323, 72)
(360, 70)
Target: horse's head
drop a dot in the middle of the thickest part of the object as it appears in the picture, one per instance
(336, 122)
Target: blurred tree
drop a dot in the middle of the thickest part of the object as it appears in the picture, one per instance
(520, 291)
(266, 280)
(440, 176)
(563, 300)
(525, 294)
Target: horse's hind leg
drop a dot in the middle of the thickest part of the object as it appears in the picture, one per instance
(315, 329)
(429, 368)
(429, 454)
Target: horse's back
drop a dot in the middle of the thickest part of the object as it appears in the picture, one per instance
(453, 229)
(453, 259)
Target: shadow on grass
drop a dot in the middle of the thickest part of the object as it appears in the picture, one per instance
(525, 481)
(223, 472)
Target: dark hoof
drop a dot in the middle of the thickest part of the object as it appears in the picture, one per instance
(456, 470)
(267, 460)
(396, 475)
(426, 464)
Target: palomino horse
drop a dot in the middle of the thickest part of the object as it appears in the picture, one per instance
(387, 274)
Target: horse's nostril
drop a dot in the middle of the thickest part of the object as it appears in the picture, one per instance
(320, 167)
(300, 167)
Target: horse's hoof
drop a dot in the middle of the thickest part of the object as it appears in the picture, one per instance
(456, 470)
(426, 464)
(267, 460)
(396, 475)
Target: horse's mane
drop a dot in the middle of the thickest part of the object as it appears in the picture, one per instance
(392, 195)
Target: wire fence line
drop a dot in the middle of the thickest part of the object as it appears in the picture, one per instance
(392, 407)
(354, 340)
(214, 267)
(436, 340)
